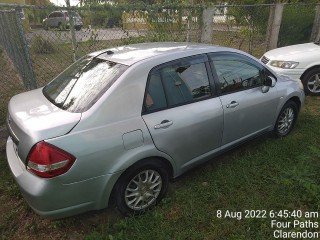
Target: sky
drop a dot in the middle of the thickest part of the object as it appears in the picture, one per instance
(63, 3)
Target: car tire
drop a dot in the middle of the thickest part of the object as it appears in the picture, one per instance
(78, 28)
(311, 81)
(286, 119)
(141, 187)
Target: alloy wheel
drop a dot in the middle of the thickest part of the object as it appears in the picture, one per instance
(285, 120)
(314, 83)
(143, 190)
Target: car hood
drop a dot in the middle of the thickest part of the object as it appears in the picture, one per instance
(294, 52)
(33, 118)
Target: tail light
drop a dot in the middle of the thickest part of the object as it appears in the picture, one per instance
(66, 16)
(47, 161)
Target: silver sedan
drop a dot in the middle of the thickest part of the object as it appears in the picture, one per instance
(119, 123)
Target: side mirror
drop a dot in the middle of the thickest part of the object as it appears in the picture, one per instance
(270, 81)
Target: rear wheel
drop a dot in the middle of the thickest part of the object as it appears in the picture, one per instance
(311, 81)
(141, 187)
(286, 119)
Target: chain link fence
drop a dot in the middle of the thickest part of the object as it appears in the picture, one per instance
(67, 34)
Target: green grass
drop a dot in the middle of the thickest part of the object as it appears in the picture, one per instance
(264, 174)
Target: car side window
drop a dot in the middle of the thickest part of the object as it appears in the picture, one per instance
(155, 96)
(177, 84)
(236, 72)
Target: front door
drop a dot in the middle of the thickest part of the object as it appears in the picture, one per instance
(247, 110)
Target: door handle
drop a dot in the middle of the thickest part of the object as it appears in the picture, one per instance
(163, 124)
(233, 104)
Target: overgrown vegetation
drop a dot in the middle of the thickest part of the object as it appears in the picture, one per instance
(252, 22)
(109, 18)
(10, 84)
(265, 174)
(41, 45)
(296, 25)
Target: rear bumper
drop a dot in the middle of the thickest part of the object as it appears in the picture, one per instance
(51, 198)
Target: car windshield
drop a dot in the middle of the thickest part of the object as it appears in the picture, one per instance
(78, 87)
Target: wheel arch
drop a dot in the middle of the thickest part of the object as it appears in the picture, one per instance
(305, 79)
(297, 103)
(308, 70)
(296, 100)
(166, 163)
(108, 199)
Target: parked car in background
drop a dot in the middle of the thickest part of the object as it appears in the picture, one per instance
(119, 123)
(60, 19)
(301, 62)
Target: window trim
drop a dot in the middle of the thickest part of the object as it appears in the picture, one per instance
(200, 58)
(262, 70)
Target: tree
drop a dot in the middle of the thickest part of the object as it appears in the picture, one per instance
(37, 15)
(296, 23)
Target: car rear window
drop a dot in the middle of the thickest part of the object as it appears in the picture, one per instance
(78, 87)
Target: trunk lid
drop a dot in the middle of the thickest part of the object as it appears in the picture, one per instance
(33, 118)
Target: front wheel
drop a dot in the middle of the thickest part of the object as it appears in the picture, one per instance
(141, 187)
(286, 119)
(311, 81)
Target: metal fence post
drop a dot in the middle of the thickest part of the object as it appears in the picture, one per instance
(13, 40)
(274, 23)
(315, 34)
(31, 82)
(189, 23)
(207, 26)
(73, 34)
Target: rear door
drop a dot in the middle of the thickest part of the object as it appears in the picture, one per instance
(247, 110)
(183, 115)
